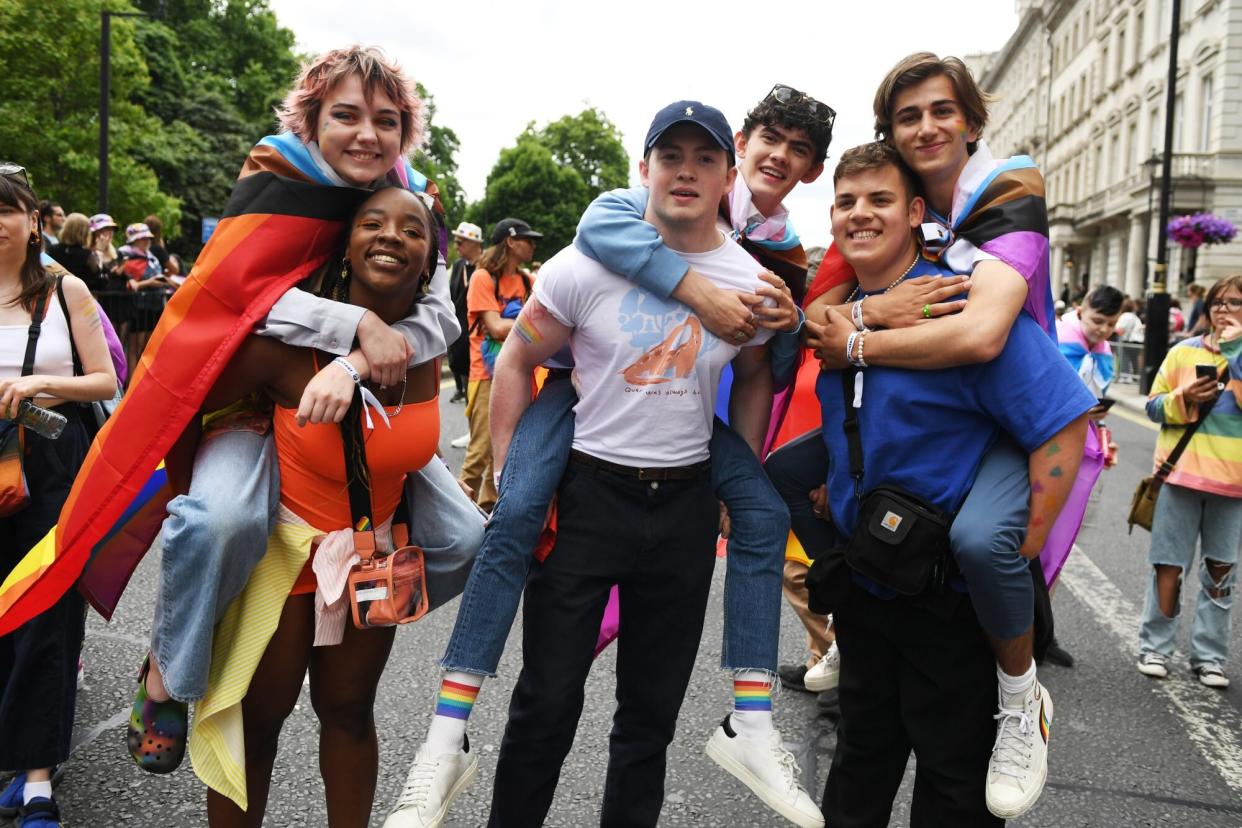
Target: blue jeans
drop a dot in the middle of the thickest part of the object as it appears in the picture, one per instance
(1184, 516)
(538, 455)
(215, 535)
(986, 535)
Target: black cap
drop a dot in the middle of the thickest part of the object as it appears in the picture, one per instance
(691, 112)
(512, 228)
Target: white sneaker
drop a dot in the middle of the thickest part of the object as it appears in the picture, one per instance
(432, 785)
(1154, 665)
(1018, 768)
(461, 442)
(826, 674)
(1211, 675)
(769, 770)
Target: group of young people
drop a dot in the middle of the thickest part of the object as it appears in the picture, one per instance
(671, 332)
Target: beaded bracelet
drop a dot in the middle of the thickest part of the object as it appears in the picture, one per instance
(862, 337)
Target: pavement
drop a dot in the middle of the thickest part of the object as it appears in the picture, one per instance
(1126, 750)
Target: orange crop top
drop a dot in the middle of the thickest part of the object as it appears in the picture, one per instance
(312, 462)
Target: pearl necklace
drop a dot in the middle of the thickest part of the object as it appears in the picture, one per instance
(893, 285)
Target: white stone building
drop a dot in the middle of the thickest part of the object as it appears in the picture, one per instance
(1080, 87)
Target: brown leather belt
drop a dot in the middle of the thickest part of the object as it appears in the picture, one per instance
(657, 473)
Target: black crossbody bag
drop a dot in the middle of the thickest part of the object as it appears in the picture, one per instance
(900, 540)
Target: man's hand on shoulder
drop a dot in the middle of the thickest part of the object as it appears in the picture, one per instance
(385, 349)
(904, 305)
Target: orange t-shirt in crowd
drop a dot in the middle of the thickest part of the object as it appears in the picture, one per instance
(481, 297)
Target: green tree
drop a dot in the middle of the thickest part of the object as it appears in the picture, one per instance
(552, 174)
(437, 159)
(49, 118)
(589, 144)
(529, 184)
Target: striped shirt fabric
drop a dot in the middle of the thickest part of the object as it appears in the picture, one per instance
(1213, 459)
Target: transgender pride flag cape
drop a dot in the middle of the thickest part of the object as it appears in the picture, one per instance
(282, 221)
(999, 208)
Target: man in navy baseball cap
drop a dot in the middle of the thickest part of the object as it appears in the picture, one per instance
(691, 112)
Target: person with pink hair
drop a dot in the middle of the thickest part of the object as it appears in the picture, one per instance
(348, 123)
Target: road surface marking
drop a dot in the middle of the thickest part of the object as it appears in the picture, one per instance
(1212, 724)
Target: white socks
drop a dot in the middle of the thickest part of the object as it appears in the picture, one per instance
(1013, 688)
(453, 705)
(33, 789)
(752, 704)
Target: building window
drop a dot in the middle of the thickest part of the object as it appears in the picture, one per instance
(1103, 76)
(1205, 113)
(1100, 180)
(1138, 37)
(1131, 148)
(1155, 133)
(1114, 158)
(1120, 68)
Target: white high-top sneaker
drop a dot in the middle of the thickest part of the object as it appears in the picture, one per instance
(1019, 765)
(826, 674)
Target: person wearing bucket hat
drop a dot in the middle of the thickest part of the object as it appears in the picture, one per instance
(468, 239)
(102, 229)
(498, 289)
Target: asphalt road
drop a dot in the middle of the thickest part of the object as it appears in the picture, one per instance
(1126, 750)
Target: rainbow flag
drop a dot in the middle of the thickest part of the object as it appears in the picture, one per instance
(282, 221)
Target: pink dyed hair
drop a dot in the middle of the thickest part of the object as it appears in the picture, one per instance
(299, 111)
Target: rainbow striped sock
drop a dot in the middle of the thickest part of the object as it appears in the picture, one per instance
(752, 696)
(752, 704)
(456, 699)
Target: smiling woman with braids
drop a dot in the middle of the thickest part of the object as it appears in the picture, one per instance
(289, 601)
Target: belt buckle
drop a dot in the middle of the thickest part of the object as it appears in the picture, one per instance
(642, 475)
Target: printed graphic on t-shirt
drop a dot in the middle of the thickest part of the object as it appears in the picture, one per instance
(672, 339)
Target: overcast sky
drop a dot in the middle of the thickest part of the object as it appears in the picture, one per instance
(494, 66)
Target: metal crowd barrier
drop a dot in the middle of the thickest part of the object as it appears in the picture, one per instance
(1129, 358)
(139, 310)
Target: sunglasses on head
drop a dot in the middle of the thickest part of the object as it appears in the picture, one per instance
(788, 96)
(15, 172)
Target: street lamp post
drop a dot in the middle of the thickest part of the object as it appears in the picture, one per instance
(105, 95)
(1156, 338)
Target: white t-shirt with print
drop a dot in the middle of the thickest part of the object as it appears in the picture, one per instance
(645, 368)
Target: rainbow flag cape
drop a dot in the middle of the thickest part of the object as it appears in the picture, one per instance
(282, 221)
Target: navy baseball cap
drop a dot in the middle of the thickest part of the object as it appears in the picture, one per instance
(691, 112)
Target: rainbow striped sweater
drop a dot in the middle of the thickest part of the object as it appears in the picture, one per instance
(1213, 460)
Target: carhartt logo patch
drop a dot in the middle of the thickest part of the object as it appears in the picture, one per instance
(891, 521)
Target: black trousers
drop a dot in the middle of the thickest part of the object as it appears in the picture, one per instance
(795, 469)
(916, 678)
(39, 660)
(656, 541)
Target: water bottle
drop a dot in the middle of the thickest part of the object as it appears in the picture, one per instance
(42, 421)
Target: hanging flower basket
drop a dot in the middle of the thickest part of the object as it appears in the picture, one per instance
(1200, 229)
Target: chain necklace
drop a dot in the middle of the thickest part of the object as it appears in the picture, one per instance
(401, 400)
(893, 285)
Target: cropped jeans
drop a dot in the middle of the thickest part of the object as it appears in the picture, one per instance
(538, 455)
(215, 535)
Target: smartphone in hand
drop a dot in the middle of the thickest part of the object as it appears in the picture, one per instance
(1105, 402)
(1206, 371)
